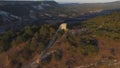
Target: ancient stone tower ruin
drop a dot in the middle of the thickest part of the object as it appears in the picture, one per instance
(63, 26)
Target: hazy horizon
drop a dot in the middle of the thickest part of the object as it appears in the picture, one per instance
(70, 1)
(85, 1)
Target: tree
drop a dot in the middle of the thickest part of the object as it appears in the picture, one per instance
(28, 31)
(33, 44)
(40, 47)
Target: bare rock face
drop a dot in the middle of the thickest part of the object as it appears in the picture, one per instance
(63, 26)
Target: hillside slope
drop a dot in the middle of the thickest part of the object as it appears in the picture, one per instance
(93, 43)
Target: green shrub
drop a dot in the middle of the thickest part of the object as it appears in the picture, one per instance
(47, 60)
(58, 55)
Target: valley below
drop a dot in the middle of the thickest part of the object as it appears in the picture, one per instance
(21, 22)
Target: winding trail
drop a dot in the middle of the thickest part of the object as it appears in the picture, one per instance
(44, 53)
(49, 45)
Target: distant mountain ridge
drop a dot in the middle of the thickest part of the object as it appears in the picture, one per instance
(108, 5)
(24, 8)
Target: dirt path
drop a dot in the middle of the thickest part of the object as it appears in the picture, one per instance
(46, 52)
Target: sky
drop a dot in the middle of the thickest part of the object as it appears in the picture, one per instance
(84, 1)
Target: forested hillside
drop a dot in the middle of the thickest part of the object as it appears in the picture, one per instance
(90, 42)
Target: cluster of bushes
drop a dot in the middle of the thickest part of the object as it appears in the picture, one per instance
(105, 26)
(88, 45)
(59, 55)
(5, 40)
(46, 60)
(35, 39)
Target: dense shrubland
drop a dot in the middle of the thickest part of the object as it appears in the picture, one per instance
(33, 34)
(105, 26)
(84, 43)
